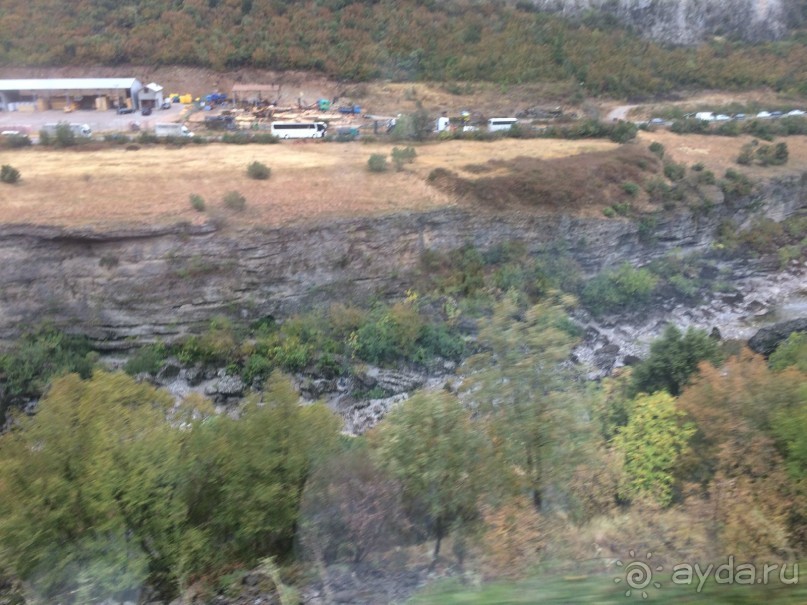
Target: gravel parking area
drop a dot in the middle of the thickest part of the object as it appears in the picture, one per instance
(99, 121)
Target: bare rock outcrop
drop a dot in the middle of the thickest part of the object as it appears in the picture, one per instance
(124, 289)
(687, 22)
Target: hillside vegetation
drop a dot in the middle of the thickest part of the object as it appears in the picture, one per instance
(406, 40)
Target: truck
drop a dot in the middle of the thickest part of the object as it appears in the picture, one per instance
(172, 129)
(79, 130)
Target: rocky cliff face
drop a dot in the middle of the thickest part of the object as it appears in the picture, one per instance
(687, 21)
(128, 288)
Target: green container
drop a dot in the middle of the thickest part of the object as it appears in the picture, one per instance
(324, 104)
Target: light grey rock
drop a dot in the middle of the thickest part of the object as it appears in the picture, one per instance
(230, 386)
(686, 21)
(168, 372)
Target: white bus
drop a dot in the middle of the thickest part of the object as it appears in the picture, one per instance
(299, 130)
(496, 124)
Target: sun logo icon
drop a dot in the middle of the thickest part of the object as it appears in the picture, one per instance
(638, 575)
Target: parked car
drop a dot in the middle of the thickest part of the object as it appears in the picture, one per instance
(721, 117)
(657, 121)
(166, 105)
(796, 112)
(776, 114)
(764, 114)
(123, 110)
(739, 116)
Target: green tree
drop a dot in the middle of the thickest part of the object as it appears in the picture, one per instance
(673, 359)
(421, 123)
(242, 479)
(651, 444)
(86, 498)
(521, 384)
(431, 445)
(791, 352)
(110, 487)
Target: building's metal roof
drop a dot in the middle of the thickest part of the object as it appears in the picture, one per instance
(68, 84)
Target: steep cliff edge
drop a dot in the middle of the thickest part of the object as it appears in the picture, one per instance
(126, 288)
(687, 21)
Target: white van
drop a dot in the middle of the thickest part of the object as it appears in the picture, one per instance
(496, 124)
(79, 130)
(172, 129)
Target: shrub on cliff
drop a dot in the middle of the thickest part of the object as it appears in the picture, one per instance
(657, 148)
(673, 171)
(235, 201)
(197, 202)
(619, 289)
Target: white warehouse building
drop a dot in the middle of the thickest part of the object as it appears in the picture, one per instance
(60, 93)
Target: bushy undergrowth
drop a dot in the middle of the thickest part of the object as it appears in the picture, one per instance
(620, 289)
(326, 343)
(787, 239)
(247, 138)
(765, 129)
(528, 431)
(37, 357)
(146, 360)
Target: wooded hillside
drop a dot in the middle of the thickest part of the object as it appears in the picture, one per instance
(406, 40)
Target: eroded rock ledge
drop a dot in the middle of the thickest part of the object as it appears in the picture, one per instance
(128, 287)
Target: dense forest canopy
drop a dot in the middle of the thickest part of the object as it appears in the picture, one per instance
(407, 40)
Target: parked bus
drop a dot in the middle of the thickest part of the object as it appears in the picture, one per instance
(299, 130)
(496, 124)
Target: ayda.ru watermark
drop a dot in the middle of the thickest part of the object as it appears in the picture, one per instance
(642, 576)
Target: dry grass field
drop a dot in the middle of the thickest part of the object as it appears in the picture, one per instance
(719, 154)
(310, 181)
